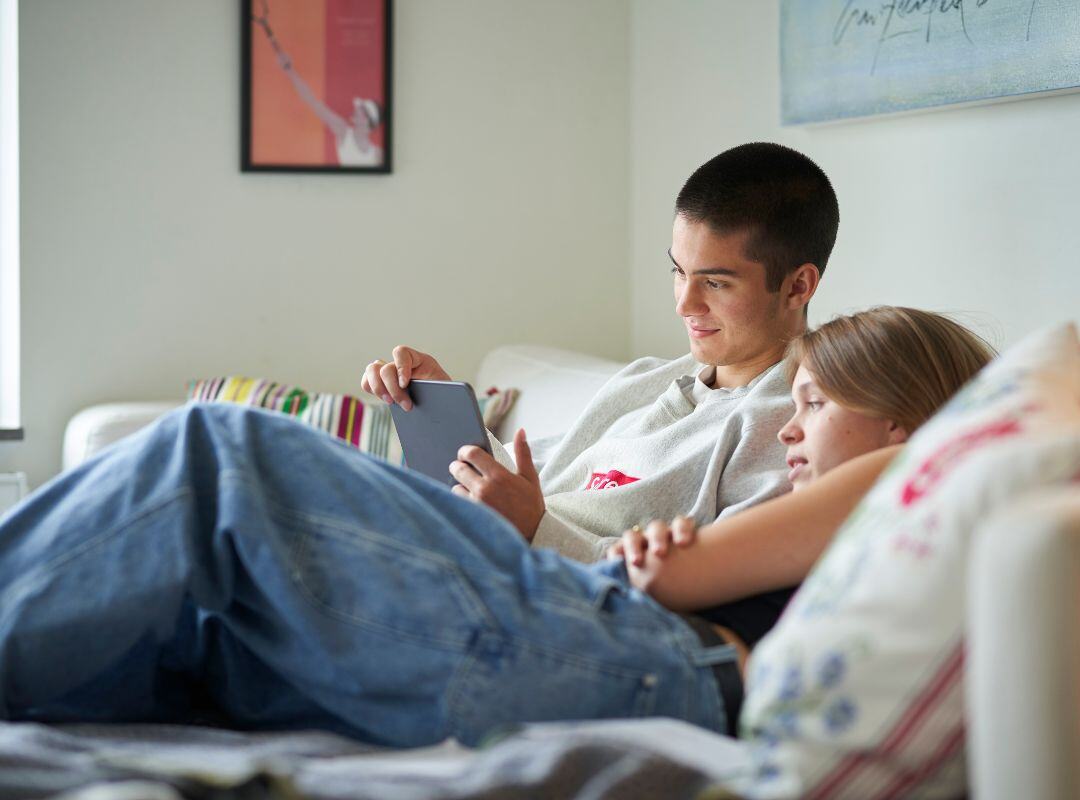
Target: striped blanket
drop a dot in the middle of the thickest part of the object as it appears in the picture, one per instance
(364, 423)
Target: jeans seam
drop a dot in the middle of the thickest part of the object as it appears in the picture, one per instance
(89, 546)
(458, 584)
(571, 658)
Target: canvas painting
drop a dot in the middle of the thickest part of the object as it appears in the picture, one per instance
(853, 58)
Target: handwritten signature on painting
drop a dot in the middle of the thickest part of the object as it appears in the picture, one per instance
(891, 20)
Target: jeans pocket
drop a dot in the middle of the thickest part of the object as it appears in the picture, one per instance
(370, 580)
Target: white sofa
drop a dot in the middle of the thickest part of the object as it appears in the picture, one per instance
(556, 385)
(1022, 682)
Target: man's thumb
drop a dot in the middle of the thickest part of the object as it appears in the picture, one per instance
(523, 457)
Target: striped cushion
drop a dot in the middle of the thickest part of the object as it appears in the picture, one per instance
(364, 423)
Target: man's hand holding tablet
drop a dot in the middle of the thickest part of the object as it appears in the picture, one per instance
(515, 495)
(447, 441)
(389, 380)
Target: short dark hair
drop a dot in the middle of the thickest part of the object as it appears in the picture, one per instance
(779, 195)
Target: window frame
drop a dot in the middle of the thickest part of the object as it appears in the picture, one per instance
(10, 411)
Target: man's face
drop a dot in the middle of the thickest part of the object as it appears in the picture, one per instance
(730, 317)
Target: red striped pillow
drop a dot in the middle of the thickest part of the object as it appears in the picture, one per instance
(364, 423)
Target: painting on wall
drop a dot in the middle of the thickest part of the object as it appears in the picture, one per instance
(315, 83)
(853, 58)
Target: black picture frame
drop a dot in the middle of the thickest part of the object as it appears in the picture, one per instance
(251, 11)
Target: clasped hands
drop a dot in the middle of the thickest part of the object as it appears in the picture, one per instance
(515, 495)
(645, 551)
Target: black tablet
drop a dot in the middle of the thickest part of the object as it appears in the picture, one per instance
(444, 418)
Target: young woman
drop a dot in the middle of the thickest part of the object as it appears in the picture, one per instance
(220, 567)
(861, 384)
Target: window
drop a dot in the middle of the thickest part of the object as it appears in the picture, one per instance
(9, 220)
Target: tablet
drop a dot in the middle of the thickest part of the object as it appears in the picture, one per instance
(444, 418)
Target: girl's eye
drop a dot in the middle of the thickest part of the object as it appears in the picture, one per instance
(814, 405)
(678, 273)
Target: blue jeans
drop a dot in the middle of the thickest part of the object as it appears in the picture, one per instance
(233, 565)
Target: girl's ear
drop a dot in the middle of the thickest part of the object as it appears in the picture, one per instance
(897, 434)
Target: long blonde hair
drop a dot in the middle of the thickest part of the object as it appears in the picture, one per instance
(891, 362)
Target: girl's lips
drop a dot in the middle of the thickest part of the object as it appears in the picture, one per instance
(797, 465)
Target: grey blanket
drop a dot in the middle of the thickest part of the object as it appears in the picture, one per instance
(641, 759)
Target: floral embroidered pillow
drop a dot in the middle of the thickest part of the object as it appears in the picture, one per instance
(858, 690)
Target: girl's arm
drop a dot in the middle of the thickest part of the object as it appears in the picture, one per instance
(770, 546)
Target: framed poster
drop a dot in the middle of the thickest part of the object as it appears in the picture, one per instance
(315, 85)
(853, 58)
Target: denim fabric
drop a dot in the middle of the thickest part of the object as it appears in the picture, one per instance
(231, 565)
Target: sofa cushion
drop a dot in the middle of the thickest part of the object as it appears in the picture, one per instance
(858, 690)
(558, 385)
(365, 422)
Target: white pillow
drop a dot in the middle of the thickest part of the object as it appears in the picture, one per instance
(858, 690)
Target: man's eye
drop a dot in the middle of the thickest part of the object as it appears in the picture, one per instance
(716, 285)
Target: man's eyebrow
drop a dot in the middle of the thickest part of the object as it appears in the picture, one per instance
(710, 271)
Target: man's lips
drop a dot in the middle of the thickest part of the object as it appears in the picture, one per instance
(700, 333)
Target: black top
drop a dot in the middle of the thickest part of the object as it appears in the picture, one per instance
(752, 617)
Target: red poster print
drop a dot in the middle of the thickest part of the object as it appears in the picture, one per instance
(316, 85)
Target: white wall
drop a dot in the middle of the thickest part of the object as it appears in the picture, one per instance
(973, 210)
(149, 259)
(522, 207)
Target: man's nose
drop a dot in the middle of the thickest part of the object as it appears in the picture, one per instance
(688, 301)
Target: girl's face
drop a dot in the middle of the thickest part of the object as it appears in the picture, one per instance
(824, 434)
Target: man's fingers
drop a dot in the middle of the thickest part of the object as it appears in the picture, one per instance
(466, 476)
(684, 531)
(616, 550)
(389, 375)
(372, 383)
(523, 456)
(480, 460)
(404, 360)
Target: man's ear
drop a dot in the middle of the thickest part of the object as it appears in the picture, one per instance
(801, 285)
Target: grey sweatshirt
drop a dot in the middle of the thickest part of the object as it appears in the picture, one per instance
(656, 442)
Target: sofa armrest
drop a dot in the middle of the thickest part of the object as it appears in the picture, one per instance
(94, 428)
(1023, 697)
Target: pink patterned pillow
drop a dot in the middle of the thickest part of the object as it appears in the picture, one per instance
(858, 690)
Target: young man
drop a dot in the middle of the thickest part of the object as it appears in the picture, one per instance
(753, 231)
(231, 556)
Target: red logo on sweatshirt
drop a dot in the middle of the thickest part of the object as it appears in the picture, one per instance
(609, 480)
